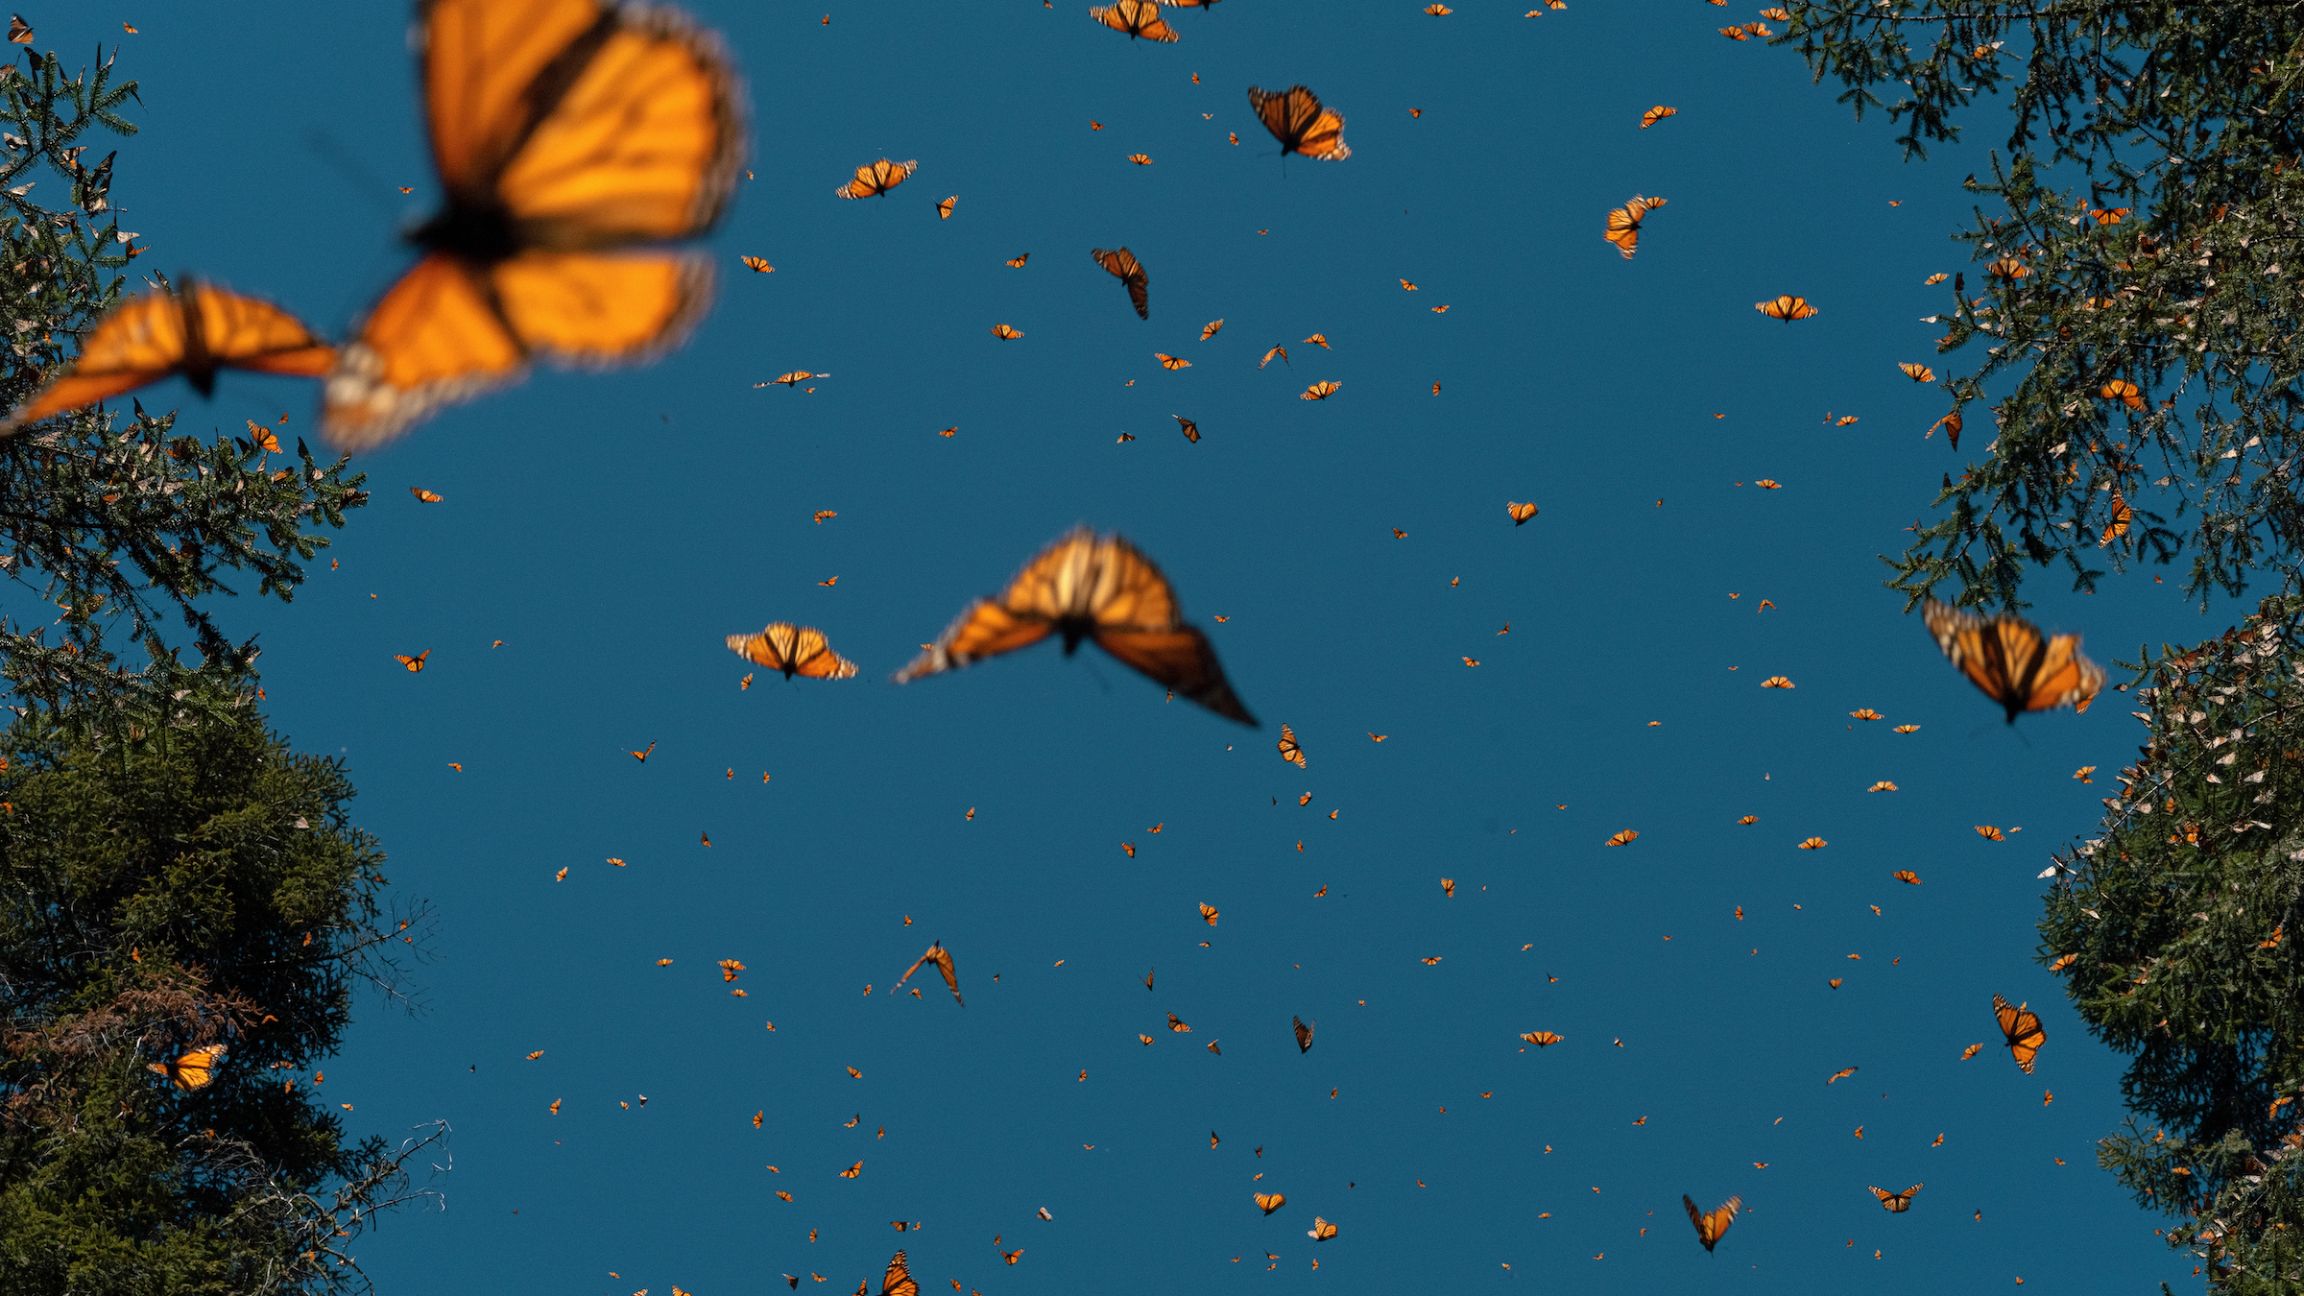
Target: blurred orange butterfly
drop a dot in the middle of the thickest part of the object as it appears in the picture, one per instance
(1122, 264)
(876, 178)
(1520, 512)
(1918, 373)
(1303, 1034)
(193, 1069)
(1290, 751)
(1896, 1203)
(1270, 1202)
(2021, 1026)
(1624, 224)
(1006, 332)
(415, 663)
(897, 1280)
(1098, 588)
(1657, 114)
(1321, 390)
(1321, 1230)
(566, 133)
(192, 330)
(1786, 308)
(1296, 119)
(2017, 666)
(1138, 19)
(942, 958)
(1711, 1226)
(794, 650)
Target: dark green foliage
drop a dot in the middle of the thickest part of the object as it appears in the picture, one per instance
(2184, 923)
(2190, 116)
(170, 881)
(117, 531)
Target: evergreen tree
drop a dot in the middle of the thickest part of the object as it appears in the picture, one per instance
(173, 881)
(121, 530)
(2137, 241)
(2135, 238)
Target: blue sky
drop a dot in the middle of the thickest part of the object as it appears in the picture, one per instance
(611, 529)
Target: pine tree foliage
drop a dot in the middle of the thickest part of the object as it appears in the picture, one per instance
(2179, 931)
(2135, 340)
(117, 533)
(172, 878)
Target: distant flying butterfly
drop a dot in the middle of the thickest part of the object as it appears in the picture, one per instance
(1520, 513)
(1297, 119)
(1190, 429)
(1096, 588)
(1321, 390)
(415, 663)
(2021, 1028)
(1711, 1225)
(874, 179)
(1624, 224)
(1786, 308)
(793, 650)
(1895, 1203)
(1137, 19)
(1657, 114)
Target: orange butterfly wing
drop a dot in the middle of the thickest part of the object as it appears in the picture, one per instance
(562, 129)
(1122, 264)
(1139, 19)
(1297, 119)
(2022, 1028)
(793, 650)
(192, 330)
(2011, 661)
(1710, 1226)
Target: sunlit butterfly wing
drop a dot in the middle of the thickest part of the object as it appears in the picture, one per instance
(2012, 662)
(1122, 264)
(562, 130)
(794, 650)
(2022, 1028)
(1711, 1225)
(1296, 119)
(897, 1281)
(1139, 19)
(192, 330)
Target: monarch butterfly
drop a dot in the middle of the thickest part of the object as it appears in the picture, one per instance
(1137, 19)
(565, 132)
(794, 650)
(1278, 349)
(1657, 114)
(1190, 429)
(1542, 1038)
(1990, 833)
(1303, 1034)
(1296, 119)
(2123, 516)
(1099, 588)
(1520, 512)
(897, 1281)
(415, 663)
(192, 1069)
(1140, 159)
(1321, 1230)
(424, 496)
(942, 958)
(1896, 1203)
(190, 329)
(1122, 264)
(1906, 876)
(1786, 308)
(2021, 1026)
(1321, 390)
(876, 178)
(1006, 332)
(1813, 843)
(2017, 666)
(1209, 913)
(1918, 373)
(1270, 1202)
(2123, 391)
(757, 265)
(1019, 259)
(1623, 838)
(944, 207)
(1624, 224)
(1289, 750)
(1777, 682)
(1211, 329)
(1710, 1227)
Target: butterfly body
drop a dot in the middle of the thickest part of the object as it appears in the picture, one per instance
(570, 136)
(2013, 662)
(1082, 588)
(187, 329)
